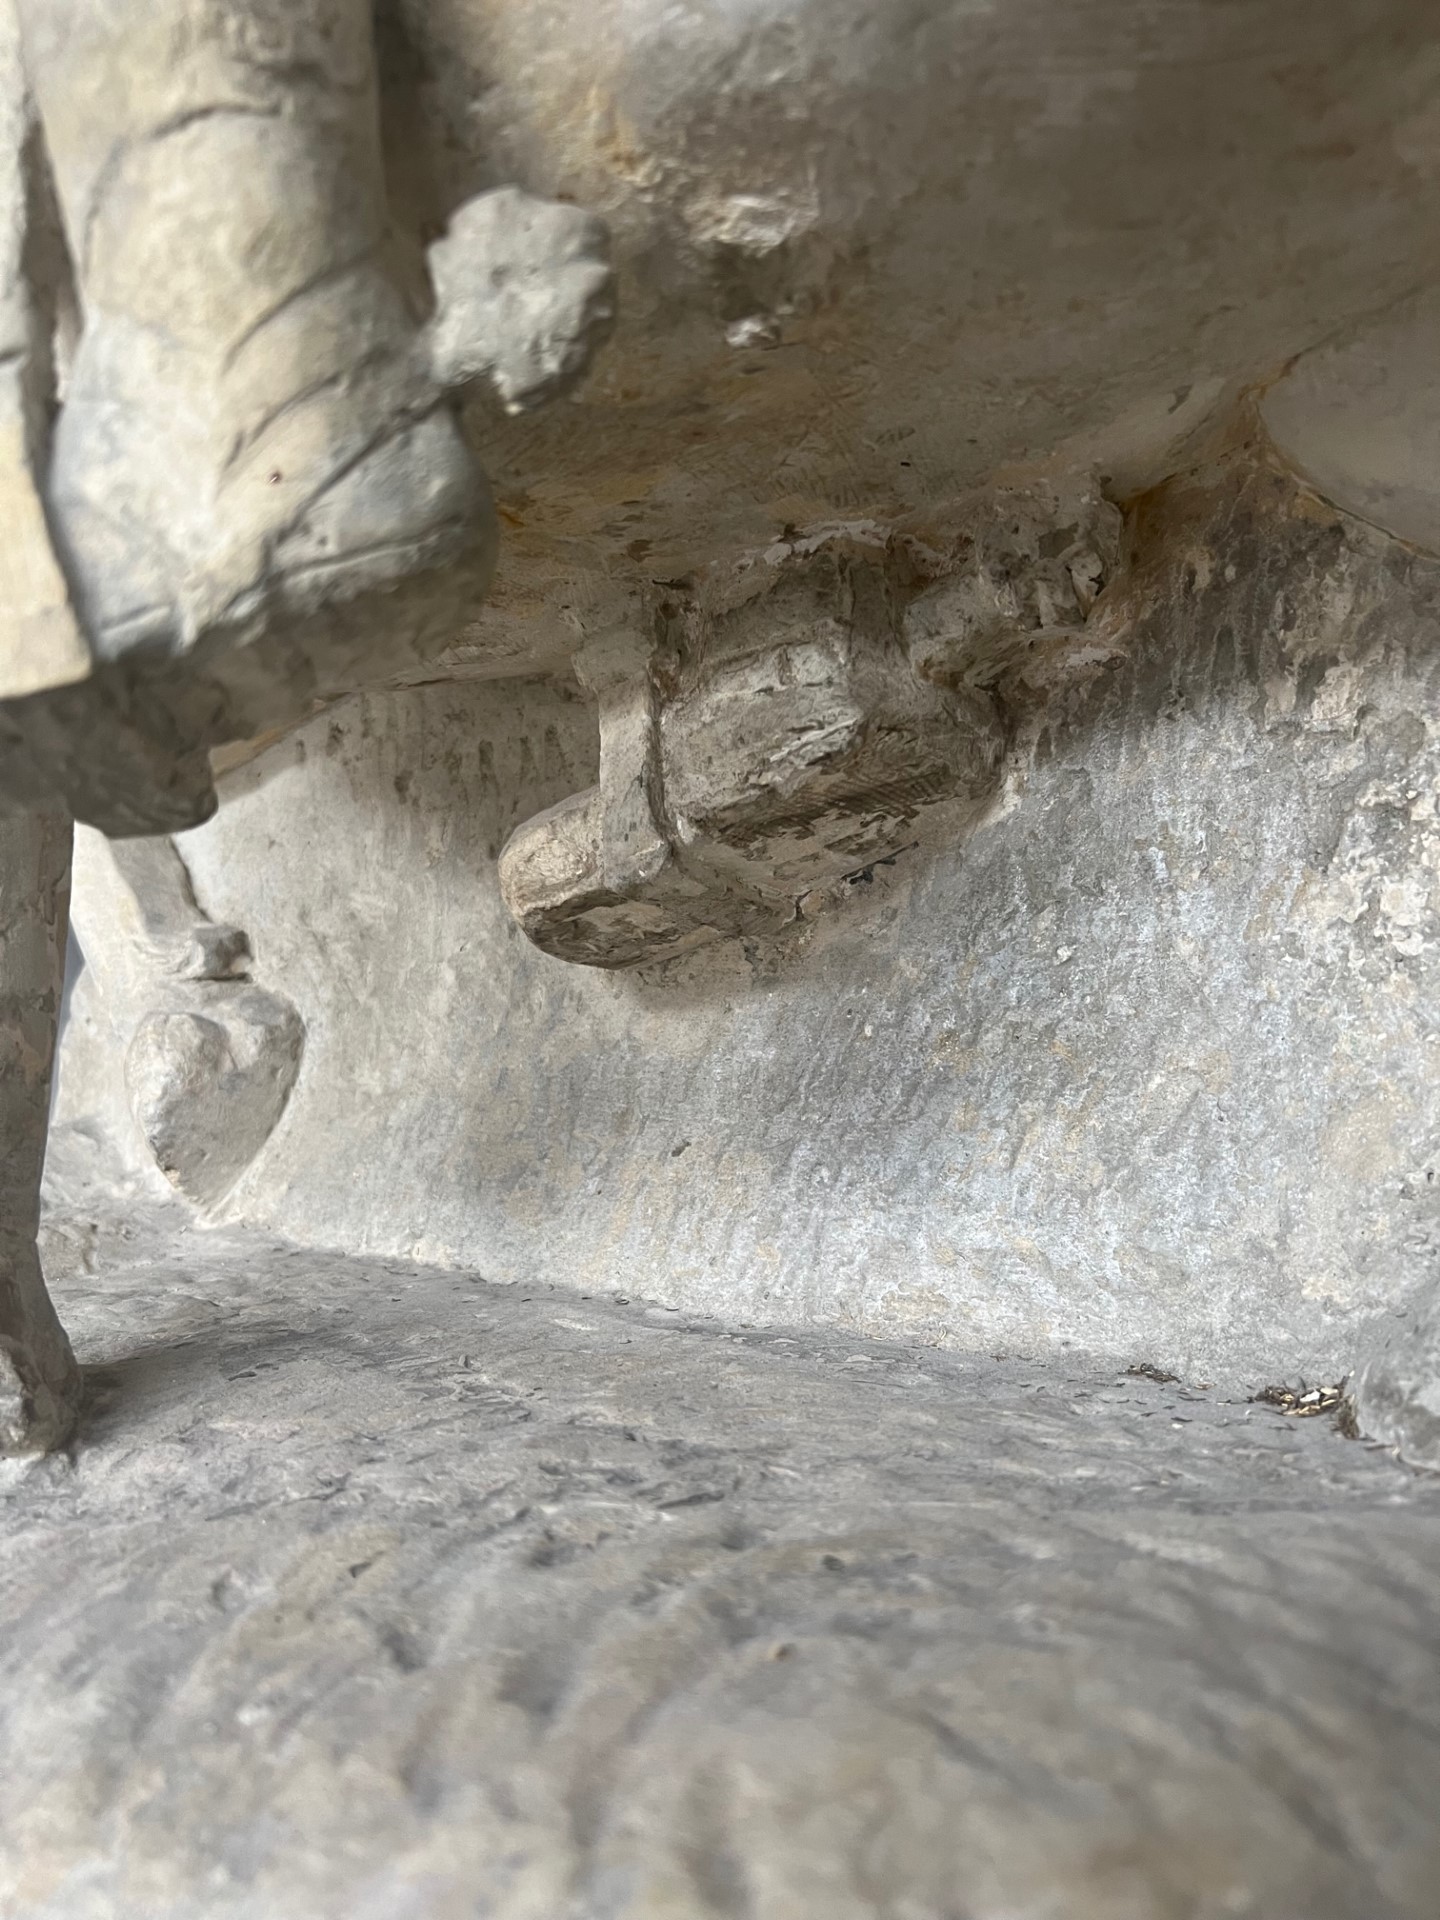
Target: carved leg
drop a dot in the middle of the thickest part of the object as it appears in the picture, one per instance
(246, 423)
(210, 1056)
(39, 1381)
(253, 423)
(790, 743)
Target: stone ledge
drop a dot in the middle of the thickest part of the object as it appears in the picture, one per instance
(374, 1590)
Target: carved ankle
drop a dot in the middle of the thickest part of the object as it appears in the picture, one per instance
(39, 1398)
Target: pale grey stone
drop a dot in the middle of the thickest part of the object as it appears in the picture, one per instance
(250, 443)
(862, 220)
(1360, 418)
(210, 1055)
(209, 1081)
(874, 256)
(41, 643)
(524, 296)
(1032, 562)
(252, 459)
(380, 1591)
(138, 919)
(39, 1386)
(1140, 1061)
(1119, 1040)
(1397, 1386)
(246, 410)
(751, 754)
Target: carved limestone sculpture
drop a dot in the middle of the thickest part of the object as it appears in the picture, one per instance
(212, 1059)
(790, 721)
(227, 448)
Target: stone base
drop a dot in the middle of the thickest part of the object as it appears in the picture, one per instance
(377, 1591)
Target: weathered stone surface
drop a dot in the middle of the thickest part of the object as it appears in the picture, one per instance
(524, 296)
(1397, 1387)
(1126, 1043)
(799, 745)
(1142, 1061)
(210, 1055)
(41, 643)
(208, 1083)
(822, 219)
(1360, 418)
(243, 392)
(135, 910)
(226, 449)
(753, 750)
(871, 255)
(1027, 566)
(39, 1387)
(383, 1592)
(223, 435)
(823, 214)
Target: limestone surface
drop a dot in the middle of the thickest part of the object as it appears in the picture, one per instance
(1143, 1060)
(226, 446)
(384, 1592)
(39, 1386)
(1397, 1391)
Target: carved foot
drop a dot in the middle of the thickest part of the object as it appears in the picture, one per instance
(39, 1380)
(790, 724)
(211, 1056)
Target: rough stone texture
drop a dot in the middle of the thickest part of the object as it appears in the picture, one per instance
(39, 1387)
(381, 1592)
(219, 402)
(750, 755)
(845, 304)
(210, 1056)
(1145, 1064)
(870, 255)
(224, 438)
(208, 1084)
(135, 909)
(373, 1592)
(523, 296)
(1029, 565)
(845, 316)
(1397, 1387)
(41, 643)
(244, 425)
